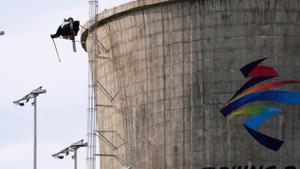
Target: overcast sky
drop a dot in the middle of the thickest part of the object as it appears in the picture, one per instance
(28, 60)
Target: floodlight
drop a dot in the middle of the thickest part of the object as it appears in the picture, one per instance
(18, 103)
(38, 91)
(21, 102)
(72, 148)
(33, 94)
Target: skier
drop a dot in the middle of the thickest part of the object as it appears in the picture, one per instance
(68, 29)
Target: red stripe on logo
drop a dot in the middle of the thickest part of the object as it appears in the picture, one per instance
(263, 71)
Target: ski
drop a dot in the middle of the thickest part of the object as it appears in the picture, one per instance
(74, 45)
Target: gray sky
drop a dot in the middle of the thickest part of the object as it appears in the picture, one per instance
(28, 60)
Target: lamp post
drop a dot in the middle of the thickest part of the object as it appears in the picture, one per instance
(72, 148)
(32, 95)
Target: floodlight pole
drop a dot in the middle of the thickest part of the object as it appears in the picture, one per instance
(32, 95)
(75, 159)
(35, 135)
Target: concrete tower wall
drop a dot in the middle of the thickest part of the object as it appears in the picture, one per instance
(170, 66)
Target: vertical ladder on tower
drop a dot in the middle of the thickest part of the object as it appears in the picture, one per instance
(92, 109)
(94, 85)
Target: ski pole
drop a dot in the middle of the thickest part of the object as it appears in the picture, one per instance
(56, 50)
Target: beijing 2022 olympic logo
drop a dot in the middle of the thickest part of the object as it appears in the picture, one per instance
(260, 113)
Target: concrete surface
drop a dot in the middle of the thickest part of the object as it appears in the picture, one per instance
(172, 65)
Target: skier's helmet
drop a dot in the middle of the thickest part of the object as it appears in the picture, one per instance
(70, 19)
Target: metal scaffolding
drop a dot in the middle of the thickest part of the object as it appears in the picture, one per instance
(94, 86)
(92, 97)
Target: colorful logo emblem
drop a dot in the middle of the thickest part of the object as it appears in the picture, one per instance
(260, 113)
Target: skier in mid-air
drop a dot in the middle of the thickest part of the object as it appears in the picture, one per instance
(68, 29)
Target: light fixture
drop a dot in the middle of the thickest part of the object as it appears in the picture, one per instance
(72, 148)
(21, 102)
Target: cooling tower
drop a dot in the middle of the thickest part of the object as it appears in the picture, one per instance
(166, 69)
